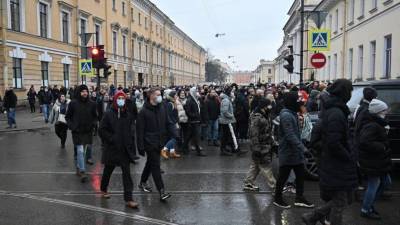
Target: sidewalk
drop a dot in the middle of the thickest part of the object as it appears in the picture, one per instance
(26, 121)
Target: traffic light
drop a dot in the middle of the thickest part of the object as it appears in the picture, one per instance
(289, 67)
(97, 54)
(107, 71)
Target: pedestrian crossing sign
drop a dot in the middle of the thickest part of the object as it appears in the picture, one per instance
(86, 67)
(319, 40)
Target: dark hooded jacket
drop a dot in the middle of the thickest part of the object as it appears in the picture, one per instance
(291, 148)
(337, 170)
(153, 127)
(81, 118)
(10, 100)
(117, 133)
(374, 148)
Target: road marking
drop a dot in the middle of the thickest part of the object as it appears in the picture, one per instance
(88, 207)
(137, 173)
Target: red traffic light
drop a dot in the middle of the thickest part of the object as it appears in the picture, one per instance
(95, 51)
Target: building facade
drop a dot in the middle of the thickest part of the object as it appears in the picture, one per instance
(265, 72)
(292, 37)
(365, 35)
(41, 44)
(242, 77)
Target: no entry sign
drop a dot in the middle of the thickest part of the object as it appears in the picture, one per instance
(318, 60)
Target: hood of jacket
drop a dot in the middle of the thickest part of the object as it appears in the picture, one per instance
(342, 89)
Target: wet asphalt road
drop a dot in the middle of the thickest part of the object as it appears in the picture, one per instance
(38, 186)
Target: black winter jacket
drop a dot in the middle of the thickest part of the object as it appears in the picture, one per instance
(204, 118)
(118, 138)
(337, 170)
(374, 149)
(153, 127)
(192, 110)
(10, 100)
(213, 108)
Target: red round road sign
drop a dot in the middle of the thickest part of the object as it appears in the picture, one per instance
(318, 60)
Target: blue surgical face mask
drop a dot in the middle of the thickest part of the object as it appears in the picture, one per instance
(159, 99)
(120, 102)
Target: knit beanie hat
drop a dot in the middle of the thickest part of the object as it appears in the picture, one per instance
(376, 106)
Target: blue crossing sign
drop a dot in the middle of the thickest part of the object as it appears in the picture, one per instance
(86, 67)
(319, 40)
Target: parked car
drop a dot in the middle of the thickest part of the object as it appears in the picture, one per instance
(389, 92)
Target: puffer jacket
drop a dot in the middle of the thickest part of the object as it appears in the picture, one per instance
(57, 113)
(183, 118)
(260, 134)
(226, 113)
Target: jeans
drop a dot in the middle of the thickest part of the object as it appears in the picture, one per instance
(11, 116)
(376, 186)
(284, 172)
(126, 180)
(228, 138)
(171, 144)
(46, 112)
(213, 130)
(152, 167)
(80, 157)
(88, 154)
(265, 170)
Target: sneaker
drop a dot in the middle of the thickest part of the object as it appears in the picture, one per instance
(83, 177)
(289, 189)
(174, 155)
(105, 195)
(302, 202)
(250, 187)
(132, 205)
(281, 204)
(370, 215)
(145, 188)
(164, 154)
(90, 162)
(164, 196)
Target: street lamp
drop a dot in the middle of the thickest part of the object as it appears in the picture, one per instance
(219, 35)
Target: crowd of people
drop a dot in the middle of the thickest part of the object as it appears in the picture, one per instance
(272, 119)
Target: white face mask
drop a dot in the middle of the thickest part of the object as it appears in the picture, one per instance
(120, 102)
(382, 115)
(159, 99)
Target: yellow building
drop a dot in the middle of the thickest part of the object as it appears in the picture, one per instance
(41, 44)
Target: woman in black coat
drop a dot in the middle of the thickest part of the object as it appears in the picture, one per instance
(32, 98)
(374, 155)
(116, 131)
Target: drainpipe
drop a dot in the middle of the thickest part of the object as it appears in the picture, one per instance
(3, 56)
(78, 55)
(344, 44)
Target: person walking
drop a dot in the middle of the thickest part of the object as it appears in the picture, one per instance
(227, 120)
(170, 104)
(242, 115)
(57, 116)
(46, 100)
(260, 134)
(32, 98)
(153, 128)
(183, 120)
(291, 152)
(192, 109)
(81, 117)
(337, 164)
(374, 156)
(213, 107)
(116, 131)
(10, 103)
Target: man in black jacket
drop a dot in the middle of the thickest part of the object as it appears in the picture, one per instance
(46, 100)
(192, 109)
(10, 102)
(213, 107)
(153, 127)
(337, 169)
(81, 118)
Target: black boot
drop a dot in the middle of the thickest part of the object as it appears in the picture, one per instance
(164, 196)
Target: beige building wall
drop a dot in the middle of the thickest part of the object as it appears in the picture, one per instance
(172, 56)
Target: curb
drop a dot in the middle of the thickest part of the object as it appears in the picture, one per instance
(24, 130)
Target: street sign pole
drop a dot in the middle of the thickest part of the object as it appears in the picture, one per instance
(97, 69)
(301, 40)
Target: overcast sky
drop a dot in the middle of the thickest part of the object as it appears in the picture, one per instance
(253, 27)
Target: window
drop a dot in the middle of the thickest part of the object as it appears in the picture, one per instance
(157, 30)
(114, 43)
(372, 59)
(335, 60)
(140, 19)
(337, 20)
(66, 75)
(374, 4)
(362, 8)
(65, 26)
(97, 31)
(43, 10)
(83, 31)
(17, 73)
(269, 71)
(123, 9)
(45, 73)
(133, 49)
(146, 51)
(351, 11)
(132, 15)
(124, 46)
(15, 8)
(125, 76)
(145, 22)
(360, 61)
(351, 64)
(115, 78)
(113, 5)
(330, 22)
(388, 56)
(140, 51)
